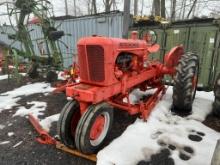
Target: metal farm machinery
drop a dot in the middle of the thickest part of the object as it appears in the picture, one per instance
(109, 70)
(50, 57)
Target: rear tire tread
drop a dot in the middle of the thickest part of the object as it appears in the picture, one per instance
(182, 90)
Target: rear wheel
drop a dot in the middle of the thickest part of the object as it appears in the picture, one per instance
(185, 84)
(93, 128)
(67, 123)
(216, 104)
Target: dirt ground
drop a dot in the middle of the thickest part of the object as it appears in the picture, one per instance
(32, 153)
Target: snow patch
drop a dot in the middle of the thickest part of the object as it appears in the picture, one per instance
(2, 126)
(9, 99)
(142, 139)
(137, 94)
(61, 76)
(5, 142)
(23, 74)
(10, 134)
(3, 77)
(10, 124)
(36, 110)
(18, 144)
(202, 105)
(47, 122)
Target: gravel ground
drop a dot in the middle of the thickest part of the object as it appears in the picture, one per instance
(29, 152)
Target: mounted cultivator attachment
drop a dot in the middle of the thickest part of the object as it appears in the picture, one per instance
(110, 69)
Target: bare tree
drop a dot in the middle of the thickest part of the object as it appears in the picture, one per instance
(182, 6)
(94, 8)
(79, 11)
(89, 6)
(114, 5)
(191, 9)
(135, 7)
(156, 8)
(74, 6)
(142, 7)
(108, 4)
(184, 9)
(126, 19)
(173, 10)
(66, 7)
(163, 9)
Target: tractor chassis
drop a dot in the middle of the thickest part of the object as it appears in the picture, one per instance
(86, 120)
(151, 78)
(144, 108)
(89, 99)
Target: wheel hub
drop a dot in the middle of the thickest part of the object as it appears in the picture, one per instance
(97, 127)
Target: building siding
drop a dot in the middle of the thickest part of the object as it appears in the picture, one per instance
(105, 25)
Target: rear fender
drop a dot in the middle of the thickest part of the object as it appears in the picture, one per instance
(172, 58)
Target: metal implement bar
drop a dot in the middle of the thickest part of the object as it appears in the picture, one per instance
(76, 152)
(44, 137)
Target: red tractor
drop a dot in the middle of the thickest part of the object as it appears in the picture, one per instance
(110, 68)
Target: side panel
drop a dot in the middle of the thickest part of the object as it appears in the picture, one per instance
(202, 41)
(217, 65)
(201, 37)
(175, 36)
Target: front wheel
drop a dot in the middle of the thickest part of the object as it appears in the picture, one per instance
(67, 123)
(93, 128)
(185, 84)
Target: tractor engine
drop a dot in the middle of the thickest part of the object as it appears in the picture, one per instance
(103, 61)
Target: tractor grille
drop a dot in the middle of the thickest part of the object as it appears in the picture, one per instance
(82, 62)
(95, 69)
(95, 55)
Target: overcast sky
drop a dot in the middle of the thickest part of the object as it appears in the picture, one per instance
(204, 7)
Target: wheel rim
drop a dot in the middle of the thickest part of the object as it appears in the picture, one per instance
(74, 121)
(99, 129)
